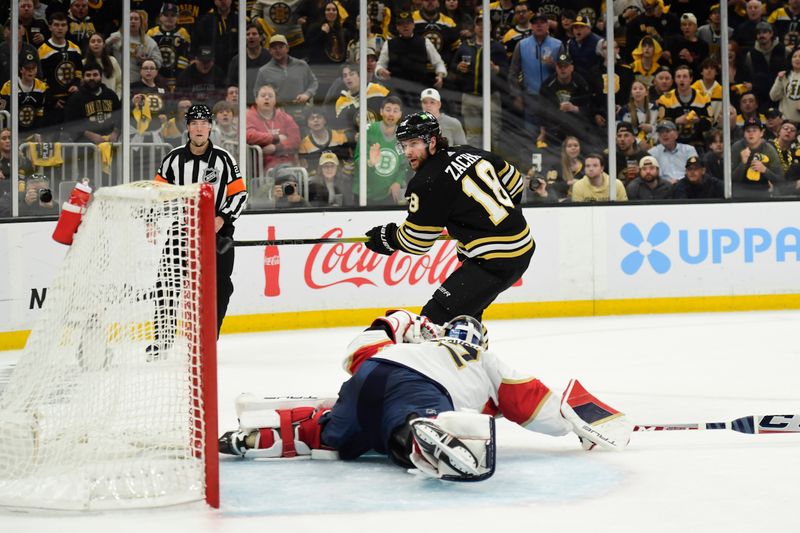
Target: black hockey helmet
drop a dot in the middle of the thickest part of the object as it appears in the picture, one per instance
(199, 112)
(422, 125)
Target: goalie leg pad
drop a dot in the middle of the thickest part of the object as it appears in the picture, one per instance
(276, 428)
(455, 446)
(594, 422)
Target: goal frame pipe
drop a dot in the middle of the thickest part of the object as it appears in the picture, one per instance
(207, 285)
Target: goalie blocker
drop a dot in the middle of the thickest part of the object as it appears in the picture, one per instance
(425, 396)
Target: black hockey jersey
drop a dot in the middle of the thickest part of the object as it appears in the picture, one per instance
(174, 46)
(475, 195)
(61, 67)
(32, 104)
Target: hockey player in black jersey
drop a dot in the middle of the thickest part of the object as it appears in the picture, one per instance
(473, 194)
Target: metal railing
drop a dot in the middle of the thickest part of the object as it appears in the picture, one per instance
(255, 161)
(62, 161)
(145, 159)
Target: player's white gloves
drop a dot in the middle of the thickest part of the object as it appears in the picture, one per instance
(408, 327)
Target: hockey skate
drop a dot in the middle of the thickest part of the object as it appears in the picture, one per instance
(595, 423)
(234, 443)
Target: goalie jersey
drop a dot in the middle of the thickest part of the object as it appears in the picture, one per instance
(476, 380)
(475, 195)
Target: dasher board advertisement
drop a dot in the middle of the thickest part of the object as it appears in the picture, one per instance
(586, 257)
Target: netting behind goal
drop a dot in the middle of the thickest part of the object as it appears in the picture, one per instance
(90, 419)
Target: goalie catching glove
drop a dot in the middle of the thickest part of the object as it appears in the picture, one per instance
(455, 446)
(406, 326)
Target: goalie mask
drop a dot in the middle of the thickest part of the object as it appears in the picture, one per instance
(464, 329)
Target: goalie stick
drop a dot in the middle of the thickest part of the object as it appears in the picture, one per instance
(327, 240)
(746, 424)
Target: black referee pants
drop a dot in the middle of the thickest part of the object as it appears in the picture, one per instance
(172, 269)
(224, 283)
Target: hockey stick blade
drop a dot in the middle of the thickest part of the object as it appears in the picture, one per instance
(325, 240)
(745, 424)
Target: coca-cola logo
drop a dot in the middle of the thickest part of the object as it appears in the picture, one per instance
(333, 264)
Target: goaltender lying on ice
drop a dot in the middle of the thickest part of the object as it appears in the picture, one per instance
(426, 396)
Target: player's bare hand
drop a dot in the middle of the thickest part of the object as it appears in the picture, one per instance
(218, 223)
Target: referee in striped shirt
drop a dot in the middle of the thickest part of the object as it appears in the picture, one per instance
(200, 161)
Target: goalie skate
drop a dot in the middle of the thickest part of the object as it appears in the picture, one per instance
(594, 422)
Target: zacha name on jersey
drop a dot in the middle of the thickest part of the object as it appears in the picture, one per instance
(460, 164)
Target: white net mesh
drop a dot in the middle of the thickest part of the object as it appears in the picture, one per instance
(91, 419)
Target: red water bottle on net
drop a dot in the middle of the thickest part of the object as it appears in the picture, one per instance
(72, 212)
(272, 266)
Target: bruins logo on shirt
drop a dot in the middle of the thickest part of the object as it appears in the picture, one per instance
(65, 73)
(435, 37)
(387, 163)
(26, 115)
(210, 175)
(280, 13)
(168, 56)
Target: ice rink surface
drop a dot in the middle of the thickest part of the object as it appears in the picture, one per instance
(656, 368)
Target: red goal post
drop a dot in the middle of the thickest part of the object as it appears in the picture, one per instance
(88, 421)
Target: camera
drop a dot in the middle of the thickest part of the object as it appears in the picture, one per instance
(289, 189)
(45, 196)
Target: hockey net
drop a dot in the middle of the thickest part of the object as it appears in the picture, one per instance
(88, 419)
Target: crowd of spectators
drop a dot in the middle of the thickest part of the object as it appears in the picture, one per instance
(668, 94)
(548, 81)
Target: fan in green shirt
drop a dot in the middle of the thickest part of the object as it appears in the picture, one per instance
(386, 166)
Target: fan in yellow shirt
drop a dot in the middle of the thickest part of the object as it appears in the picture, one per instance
(594, 186)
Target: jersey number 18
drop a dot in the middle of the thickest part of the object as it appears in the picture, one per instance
(493, 203)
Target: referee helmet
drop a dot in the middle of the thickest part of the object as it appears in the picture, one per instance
(421, 125)
(199, 112)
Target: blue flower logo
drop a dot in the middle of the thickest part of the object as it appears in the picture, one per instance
(645, 248)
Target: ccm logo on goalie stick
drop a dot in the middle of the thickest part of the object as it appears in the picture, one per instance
(771, 422)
